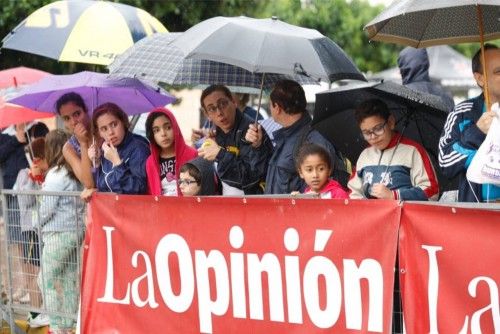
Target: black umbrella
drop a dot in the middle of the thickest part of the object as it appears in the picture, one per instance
(419, 116)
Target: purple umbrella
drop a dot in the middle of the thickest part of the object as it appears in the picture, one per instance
(132, 95)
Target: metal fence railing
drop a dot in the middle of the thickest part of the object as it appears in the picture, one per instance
(43, 286)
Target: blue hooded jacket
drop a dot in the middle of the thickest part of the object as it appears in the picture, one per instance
(129, 177)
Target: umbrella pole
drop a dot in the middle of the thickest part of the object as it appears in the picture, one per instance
(260, 97)
(483, 60)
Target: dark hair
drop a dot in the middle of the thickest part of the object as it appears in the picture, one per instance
(149, 124)
(290, 96)
(476, 59)
(70, 97)
(192, 170)
(372, 107)
(54, 142)
(38, 130)
(109, 108)
(309, 149)
(215, 88)
(37, 147)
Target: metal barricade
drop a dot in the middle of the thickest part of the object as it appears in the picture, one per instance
(41, 256)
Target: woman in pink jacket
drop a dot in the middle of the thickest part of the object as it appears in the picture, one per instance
(169, 152)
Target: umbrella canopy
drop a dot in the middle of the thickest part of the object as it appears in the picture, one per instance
(422, 23)
(132, 95)
(267, 46)
(20, 76)
(83, 31)
(11, 114)
(421, 115)
(155, 59)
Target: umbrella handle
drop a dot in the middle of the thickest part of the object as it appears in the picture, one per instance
(260, 98)
(483, 60)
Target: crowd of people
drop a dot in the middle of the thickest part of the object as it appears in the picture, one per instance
(235, 157)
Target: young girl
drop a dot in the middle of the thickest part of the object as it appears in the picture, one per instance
(62, 231)
(122, 155)
(314, 166)
(31, 179)
(198, 178)
(168, 152)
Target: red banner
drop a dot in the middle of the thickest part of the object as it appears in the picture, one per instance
(254, 265)
(450, 269)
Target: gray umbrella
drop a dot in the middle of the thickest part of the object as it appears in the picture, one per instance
(422, 23)
(268, 46)
(155, 59)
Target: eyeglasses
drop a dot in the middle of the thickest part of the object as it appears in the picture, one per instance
(221, 104)
(376, 131)
(186, 182)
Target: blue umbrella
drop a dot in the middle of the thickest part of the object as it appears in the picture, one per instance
(132, 95)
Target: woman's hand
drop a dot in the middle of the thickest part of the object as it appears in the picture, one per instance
(86, 194)
(111, 153)
(94, 154)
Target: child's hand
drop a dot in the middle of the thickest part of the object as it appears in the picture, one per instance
(209, 150)
(111, 153)
(295, 193)
(381, 191)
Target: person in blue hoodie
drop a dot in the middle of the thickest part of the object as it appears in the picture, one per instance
(119, 156)
(414, 68)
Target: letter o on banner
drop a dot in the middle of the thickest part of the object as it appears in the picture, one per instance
(316, 267)
(173, 243)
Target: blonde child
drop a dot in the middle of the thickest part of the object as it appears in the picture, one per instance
(313, 164)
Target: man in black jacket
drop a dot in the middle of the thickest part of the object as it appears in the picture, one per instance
(241, 166)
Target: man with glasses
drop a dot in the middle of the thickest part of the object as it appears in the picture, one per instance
(241, 165)
(392, 167)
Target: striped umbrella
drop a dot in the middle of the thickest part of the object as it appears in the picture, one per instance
(82, 31)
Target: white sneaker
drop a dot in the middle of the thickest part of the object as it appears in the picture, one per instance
(40, 320)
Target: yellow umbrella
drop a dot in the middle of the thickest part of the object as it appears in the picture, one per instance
(83, 31)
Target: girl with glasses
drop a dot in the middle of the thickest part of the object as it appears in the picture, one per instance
(169, 152)
(198, 178)
(392, 167)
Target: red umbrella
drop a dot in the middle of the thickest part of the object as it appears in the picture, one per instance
(14, 114)
(18, 76)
